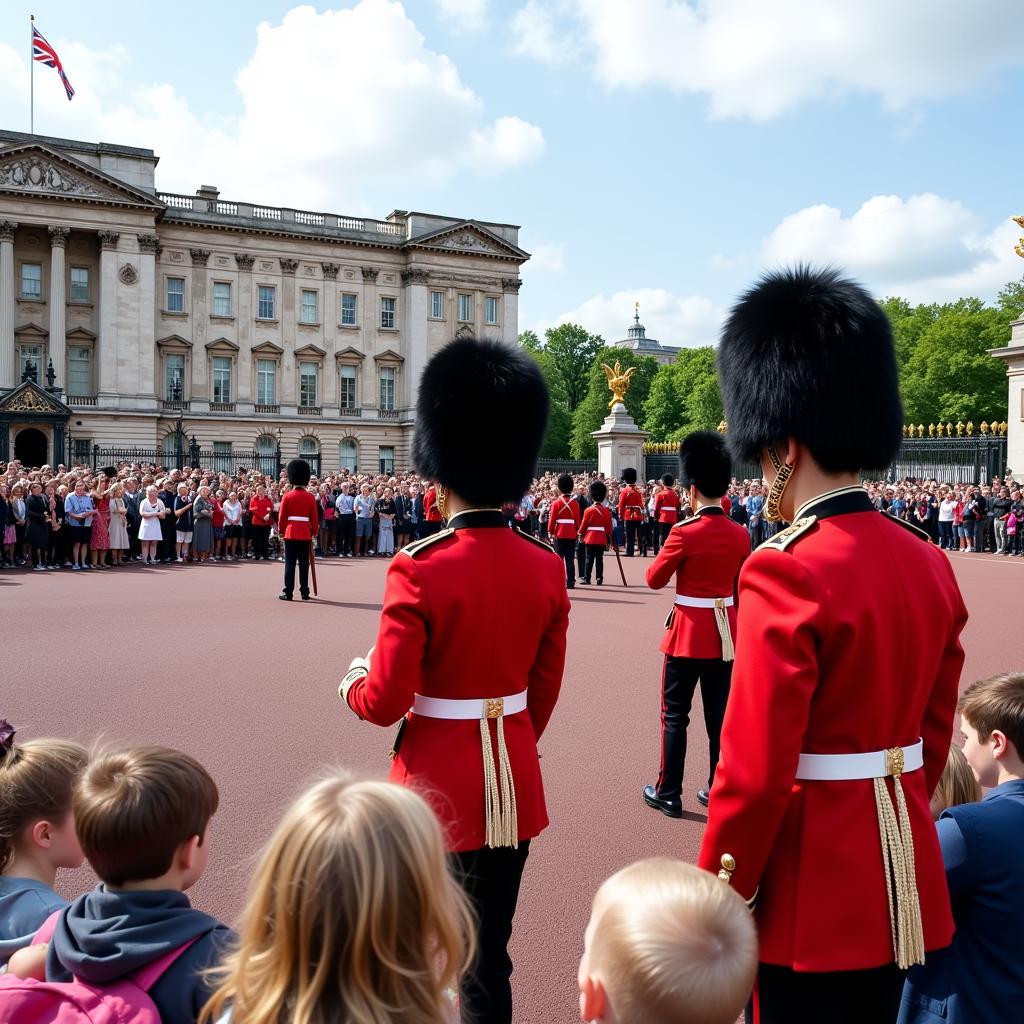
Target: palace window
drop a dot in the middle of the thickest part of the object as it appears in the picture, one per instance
(309, 448)
(30, 360)
(266, 455)
(175, 295)
(490, 310)
(465, 308)
(309, 313)
(437, 305)
(79, 371)
(174, 377)
(387, 313)
(266, 305)
(348, 310)
(386, 458)
(221, 298)
(387, 388)
(348, 455)
(79, 284)
(170, 449)
(307, 385)
(266, 382)
(347, 387)
(31, 280)
(221, 379)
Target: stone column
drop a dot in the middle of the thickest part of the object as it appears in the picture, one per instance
(8, 356)
(201, 372)
(510, 314)
(369, 324)
(289, 366)
(107, 362)
(149, 251)
(414, 333)
(1013, 356)
(58, 309)
(329, 318)
(244, 313)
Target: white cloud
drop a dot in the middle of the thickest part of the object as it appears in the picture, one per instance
(671, 319)
(329, 103)
(546, 258)
(758, 60)
(926, 248)
(464, 15)
(543, 30)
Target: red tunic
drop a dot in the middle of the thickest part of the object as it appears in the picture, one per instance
(431, 513)
(596, 525)
(705, 553)
(297, 516)
(563, 509)
(848, 642)
(666, 505)
(447, 631)
(631, 504)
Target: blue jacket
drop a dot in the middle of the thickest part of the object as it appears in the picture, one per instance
(980, 978)
(24, 905)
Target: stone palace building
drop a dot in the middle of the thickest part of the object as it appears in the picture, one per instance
(246, 328)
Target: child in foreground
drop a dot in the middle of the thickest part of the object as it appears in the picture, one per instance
(37, 832)
(957, 785)
(352, 916)
(980, 977)
(667, 943)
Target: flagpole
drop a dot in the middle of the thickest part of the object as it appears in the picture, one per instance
(31, 76)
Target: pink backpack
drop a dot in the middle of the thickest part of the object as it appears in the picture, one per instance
(126, 1001)
(1011, 524)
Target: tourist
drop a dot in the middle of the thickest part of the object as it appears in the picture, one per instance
(364, 509)
(168, 524)
(386, 513)
(183, 522)
(79, 511)
(1001, 507)
(37, 533)
(7, 532)
(118, 528)
(99, 540)
(957, 785)
(152, 513)
(202, 525)
(17, 515)
(218, 520)
(262, 511)
(232, 510)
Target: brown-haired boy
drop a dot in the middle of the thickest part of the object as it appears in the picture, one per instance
(142, 817)
(667, 943)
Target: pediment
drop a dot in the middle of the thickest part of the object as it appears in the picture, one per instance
(389, 356)
(350, 353)
(38, 170)
(32, 399)
(469, 237)
(80, 334)
(267, 348)
(32, 331)
(174, 339)
(221, 345)
(310, 352)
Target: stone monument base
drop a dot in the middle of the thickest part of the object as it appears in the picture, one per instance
(620, 444)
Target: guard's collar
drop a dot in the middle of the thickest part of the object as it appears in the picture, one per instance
(836, 503)
(710, 510)
(476, 517)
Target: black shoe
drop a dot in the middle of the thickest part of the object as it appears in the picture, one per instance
(703, 797)
(600, 583)
(570, 586)
(586, 582)
(284, 597)
(306, 597)
(672, 808)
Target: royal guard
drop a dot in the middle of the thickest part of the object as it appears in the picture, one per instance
(596, 532)
(666, 510)
(704, 554)
(297, 524)
(631, 509)
(431, 512)
(848, 660)
(472, 671)
(564, 527)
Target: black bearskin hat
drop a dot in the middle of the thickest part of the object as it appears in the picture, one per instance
(704, 463)
(629, 475)
(598, 491)
(481, 416)
(565, 483)
(298, 472)
(809, 354)
(668, 479)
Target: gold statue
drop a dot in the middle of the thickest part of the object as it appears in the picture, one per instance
(1019, 247)
(618, 382)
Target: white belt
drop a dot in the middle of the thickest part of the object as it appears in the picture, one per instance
(703, 602)
(298, 519)
(595, 529)
(876, 764)
(489, 707)
(566, 522)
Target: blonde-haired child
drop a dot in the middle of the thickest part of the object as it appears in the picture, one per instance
(37, 831)
(352, 916)
(667, 943)
(957, 785)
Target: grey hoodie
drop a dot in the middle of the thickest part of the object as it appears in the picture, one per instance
(107, 934)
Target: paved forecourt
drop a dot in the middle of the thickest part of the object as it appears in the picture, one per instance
(207, 659)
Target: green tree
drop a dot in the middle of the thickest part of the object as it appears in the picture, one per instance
(591, 411)
(1011, 302)
(684, 396)
(573, 349)
(556, 440)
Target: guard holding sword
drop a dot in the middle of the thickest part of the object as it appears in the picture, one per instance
(470, 670)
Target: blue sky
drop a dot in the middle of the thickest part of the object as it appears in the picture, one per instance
(652, 150)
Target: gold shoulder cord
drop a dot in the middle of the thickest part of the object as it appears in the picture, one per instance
(783, 471)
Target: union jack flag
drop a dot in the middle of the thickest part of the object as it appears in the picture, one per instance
(44, 53)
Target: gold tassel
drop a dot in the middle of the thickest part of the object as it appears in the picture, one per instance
(905, 921)
(501, 822)
(722, 620)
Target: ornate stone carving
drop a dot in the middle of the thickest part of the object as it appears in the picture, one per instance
(415, 276)
(244, 261)
(330, 271)
(370, 273)
(465, 331)
(36, 174)
(7, 230)
(59, 236)
(30, 401)
(467, 240)
(149, 243)
(288, 266)
(308, 270)
(266, 265)
(108, 239)
(511, 284)
(128, 274)
(200, 257)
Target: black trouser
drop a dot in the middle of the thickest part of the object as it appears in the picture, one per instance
(491, 880)
(785, 996)
(346, 532)
(679, 680)
(979, 534)
(581, 558)
(595, 556)
(296, 551)
(633, 528)
(260, 541)
(946, 538)
(661, 532)
(567, 550)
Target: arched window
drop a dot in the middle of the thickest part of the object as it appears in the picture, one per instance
(266, 452)
(308, 446)
(170, 451)
(348, 455)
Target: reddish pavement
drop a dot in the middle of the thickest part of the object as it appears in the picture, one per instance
(206, 659)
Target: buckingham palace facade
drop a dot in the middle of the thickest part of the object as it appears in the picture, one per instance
(129, 316)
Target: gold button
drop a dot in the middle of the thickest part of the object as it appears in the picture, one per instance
(728, 862)
(724, 876)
